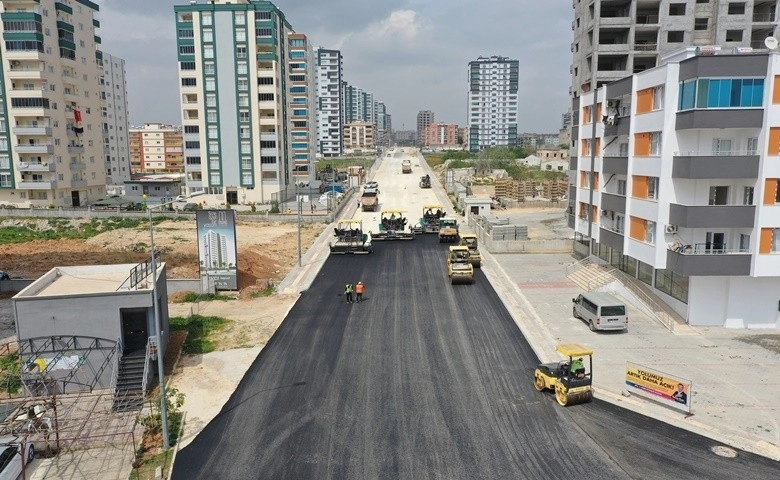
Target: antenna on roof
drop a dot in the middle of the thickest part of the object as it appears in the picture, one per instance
(771, 43)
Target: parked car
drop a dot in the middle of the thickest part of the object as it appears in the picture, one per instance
(180, 198)
(4, 275)
(11, 458)
(371, 185)
(330, 195)
(190, 207)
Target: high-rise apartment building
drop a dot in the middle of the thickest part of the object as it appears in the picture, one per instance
(492, 103)
(424, 118)
(440, 135)
(685, 190)
(383, 124)
(330, 116)
(359, 136)
(156, 148)
(613, 39)
(116, 123)
(301, 104)
(235, 59)
(51, 123)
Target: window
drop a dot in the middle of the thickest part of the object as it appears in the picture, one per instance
(652, 187)
(719, 195)
(243, 100)
(650, 232)
(676, 9)
(655, 143)
(737, 8)
(246, 148)
(208, 68)
(189, 82)
(208, 51)
(675, 36)
(211, 100)
(700, 23)
(208, 35)
(267, 160)
(241, 68)
(206, 18)
(240, 35)
(263, 32)
(268, 144)
(721, 147)
(187, 66)
(243, 116)
(187, 49)
(211, 116)
(213, 148)
(621, 187)
(265, 80)
(658, 97)
(297, 54)
(265, 97)
(240, 18)
(744, 243)
(747, 196)
(213, 131)
(211, 84)
(733, 35)
(752, 146)
(243, 84)
(185, 33)
(721, 93)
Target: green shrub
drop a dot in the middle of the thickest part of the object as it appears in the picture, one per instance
(198, 330)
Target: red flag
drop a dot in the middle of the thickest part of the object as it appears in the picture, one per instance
(77, 115)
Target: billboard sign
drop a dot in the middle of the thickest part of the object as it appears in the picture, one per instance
(217, 247)
(671, 391)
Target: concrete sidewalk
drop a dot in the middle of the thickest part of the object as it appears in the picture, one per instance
(734, 381)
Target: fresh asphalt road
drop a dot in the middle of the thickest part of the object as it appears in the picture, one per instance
(424, 380)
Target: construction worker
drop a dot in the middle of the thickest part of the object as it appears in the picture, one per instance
(348, 292)
(359, 292)
(577, 367)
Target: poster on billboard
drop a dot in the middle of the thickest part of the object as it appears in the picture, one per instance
(217, 247)
(671, 391)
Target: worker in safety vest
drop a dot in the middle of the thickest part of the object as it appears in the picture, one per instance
(348, 292)
(359, 291)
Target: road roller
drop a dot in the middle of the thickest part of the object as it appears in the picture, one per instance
(570, 379)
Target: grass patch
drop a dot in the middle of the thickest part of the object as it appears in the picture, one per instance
(146, 466)
(198, 328)
(266, 292)
(10, 367)
(61, 228)
(192, 297)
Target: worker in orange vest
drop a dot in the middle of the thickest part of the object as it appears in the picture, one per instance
(359, 292)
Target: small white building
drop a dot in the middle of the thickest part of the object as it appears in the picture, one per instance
(477, 204)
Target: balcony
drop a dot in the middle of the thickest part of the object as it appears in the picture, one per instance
(32, 130)
(25, 73)
(41, 185)
(45, 148)
(645, 19)
(77, 183)
(720, 118)
(701, 165)
(36, 167)
(618, 165)
(763, 17)
(712, 216)
(611, 238)
(613, 202)
(75, 148)
(77, 166)
(708, 261)
(646, 47)
(615, 126)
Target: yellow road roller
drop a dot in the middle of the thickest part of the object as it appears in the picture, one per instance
(571, 379)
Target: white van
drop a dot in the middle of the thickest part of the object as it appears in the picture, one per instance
(601, 311)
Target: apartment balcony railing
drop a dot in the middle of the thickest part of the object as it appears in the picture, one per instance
(77, 182)
(75, 148)
(37, 185)
(705, 259)
(45, 148)
(36, 167)
(712, 216)
(32, 130)
(721, 164)
(77, 166)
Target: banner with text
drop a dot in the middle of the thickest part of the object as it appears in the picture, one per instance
(217, 247)
(671, 391)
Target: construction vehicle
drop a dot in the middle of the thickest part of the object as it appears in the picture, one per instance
(459, 266)
(350, 238)
(571, 379)
(448, 230)
(406, 166)
(392, 226)
(470, 240)
(369, 201)
(425, 181)
(429, 222)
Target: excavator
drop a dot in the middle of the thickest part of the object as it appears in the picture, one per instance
(570, 379)
(392, 226)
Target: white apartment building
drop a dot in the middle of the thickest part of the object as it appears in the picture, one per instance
(330, 116)
(686, 179)
(359, 137)
(302, 108)
(235, 115)
(116, 135)
(51, 123)
(492, 103)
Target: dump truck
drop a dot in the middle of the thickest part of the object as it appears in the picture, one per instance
(448, 230)
(406, 166)
(470, 240)
(570, 379)
(425, 181)
(350, 238)
(429, 222)
(392, 226)
(369, 201)
(459, 267)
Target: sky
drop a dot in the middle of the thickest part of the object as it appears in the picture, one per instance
(411, 54)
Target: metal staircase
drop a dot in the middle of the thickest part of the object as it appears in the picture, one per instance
(129, 388)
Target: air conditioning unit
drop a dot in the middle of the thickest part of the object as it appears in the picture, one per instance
(613, 103)
(604, 213)
(671, 229)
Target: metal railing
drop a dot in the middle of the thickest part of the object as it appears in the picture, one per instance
(602, 279)
(577, 265)
(115, 370)
(147, 361)
(655, 308)
(719, 153)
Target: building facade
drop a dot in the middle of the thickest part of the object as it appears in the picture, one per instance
(424, 118)
(330, 115)
(615, 39)
(359, 137)
(492, 103)
(440, 135)
(156, 148)
(302, 107)
(116, 123)
(235, 114)
(51, 123)
(686, 183)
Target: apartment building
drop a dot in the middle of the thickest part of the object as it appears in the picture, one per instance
(440, 135)
(302, 106)
(115, 121)
(235, 111)
(51, 124)
(359, 137)
(156, 148)
(613, 39)
(686, 182)
(424, 119)
(330, 115)
(492, 103)
(383, 123)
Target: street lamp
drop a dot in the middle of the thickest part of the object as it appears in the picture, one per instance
(157, 327)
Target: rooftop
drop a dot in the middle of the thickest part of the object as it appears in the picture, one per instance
(85, 280)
